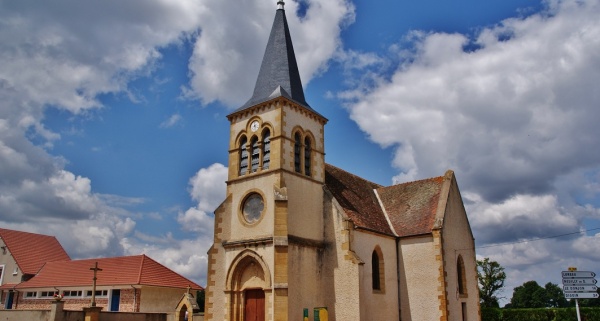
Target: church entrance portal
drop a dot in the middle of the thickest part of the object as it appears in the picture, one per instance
(254, 305)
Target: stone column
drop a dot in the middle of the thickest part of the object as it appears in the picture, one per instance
(56, 311)
(92, 313)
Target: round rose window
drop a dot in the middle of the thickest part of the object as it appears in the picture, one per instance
(253, 208)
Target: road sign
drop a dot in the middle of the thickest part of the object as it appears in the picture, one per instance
(584, 281)
(578, 274)
(583, 295)
(580, 288)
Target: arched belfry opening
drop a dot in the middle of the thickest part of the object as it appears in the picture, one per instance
(248, 287)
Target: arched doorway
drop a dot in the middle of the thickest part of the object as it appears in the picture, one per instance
(249, 287)
(183, 314)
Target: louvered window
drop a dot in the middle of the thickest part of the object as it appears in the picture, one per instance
(255, 154)
(307, 156)
(243, 156)
(297, 151)
(266, 149)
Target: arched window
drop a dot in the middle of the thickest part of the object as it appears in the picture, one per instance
(255, 154)
(307, 153)
(266, 140)
(297, 152)
(461, 276)
(243, 155)
(375, 268)
(378, 270)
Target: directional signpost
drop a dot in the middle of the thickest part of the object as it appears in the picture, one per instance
(579, 285)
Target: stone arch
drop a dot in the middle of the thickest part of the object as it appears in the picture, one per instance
(248, 271)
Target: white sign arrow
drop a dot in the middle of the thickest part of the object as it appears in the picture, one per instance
(578, 274)
(580, 288)
(586, 281)
(588, 295)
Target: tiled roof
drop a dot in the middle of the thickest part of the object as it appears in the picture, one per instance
(31, 251)
(412, 206)
(357, 197)
(123, 270)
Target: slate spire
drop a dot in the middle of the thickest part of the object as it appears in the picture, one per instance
(278, 75)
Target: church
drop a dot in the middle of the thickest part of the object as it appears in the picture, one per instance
(299, 239)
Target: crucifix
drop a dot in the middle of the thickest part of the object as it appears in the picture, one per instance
(95, 269)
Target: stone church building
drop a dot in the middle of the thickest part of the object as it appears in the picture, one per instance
(299, 239)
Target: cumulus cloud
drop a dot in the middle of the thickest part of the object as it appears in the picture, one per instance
(63, 55)
(508, 117)
(231, 45)
(207, 187)
(513, 109)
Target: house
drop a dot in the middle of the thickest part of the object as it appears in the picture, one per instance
(299, 238)
(126, 283)
(20, 261)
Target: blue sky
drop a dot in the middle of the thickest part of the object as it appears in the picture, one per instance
(113, 134)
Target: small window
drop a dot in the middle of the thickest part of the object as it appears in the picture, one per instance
(47, 294)
(243, 155)
(16, 271)
(266, 149)
(375, 268)
(460, 274)
(378, 271)
(72, 293)
(99, 293)
(297, 151)
(307, 156)
(30, 295)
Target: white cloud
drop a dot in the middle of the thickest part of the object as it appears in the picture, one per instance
(208, 189)
(172, 121)
(514, 112)
(231, 44)
(508, 117)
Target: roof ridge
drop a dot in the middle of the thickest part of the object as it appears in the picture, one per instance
(417, 181)
(139, 278)
(354, 175)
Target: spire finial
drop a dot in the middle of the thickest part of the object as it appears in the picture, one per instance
(280, 4)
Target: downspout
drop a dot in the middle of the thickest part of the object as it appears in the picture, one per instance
(135, 307)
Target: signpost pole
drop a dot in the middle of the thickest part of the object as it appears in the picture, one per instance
(577, 307)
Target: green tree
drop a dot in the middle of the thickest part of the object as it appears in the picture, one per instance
(491, 278)
(556, 297)
(532, 295)
(200, 299)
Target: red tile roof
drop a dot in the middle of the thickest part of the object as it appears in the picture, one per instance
(31, 251)
(123, 270)
(357, 197)
(412, 206)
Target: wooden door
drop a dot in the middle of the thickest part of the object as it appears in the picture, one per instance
(254, 305)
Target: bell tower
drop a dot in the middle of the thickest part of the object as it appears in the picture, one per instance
(269, 228)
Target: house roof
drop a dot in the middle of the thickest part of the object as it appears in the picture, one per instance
(410, 207)
(123, 270)
(278, 75)
(357, 197)
(31, 250)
